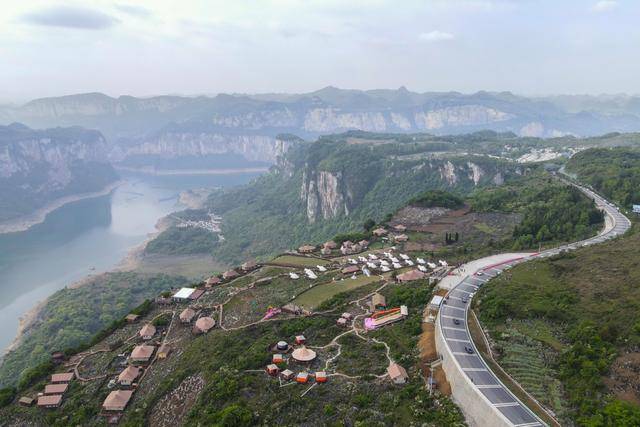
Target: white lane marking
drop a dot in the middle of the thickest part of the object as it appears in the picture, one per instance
(454, 329)
(457, 340)
(535, 423)
(505, 405)
(475, 369)
(489, 386)
(462, 353)
(457, 308)
(451, 317)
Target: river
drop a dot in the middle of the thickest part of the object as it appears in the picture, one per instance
(87, 237)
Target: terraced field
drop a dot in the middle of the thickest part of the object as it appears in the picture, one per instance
(531, 364)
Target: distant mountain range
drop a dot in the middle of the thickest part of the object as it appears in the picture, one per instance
(129, 120)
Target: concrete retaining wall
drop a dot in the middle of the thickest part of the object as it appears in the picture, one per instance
(477, 410)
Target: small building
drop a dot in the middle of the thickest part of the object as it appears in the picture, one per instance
(410, 276)
(203, 325)
(61, 378)
(378, 302)
(273, 369)
(230, 275)
(129, 375)
(187, 315)
(277, 358)
(287, 375)
(342, 322)
(435, 302)
(321, 377)
(282, 346)
(302, 378)
(147, 332)
(347, 316)
(196, 294)
(350, 269)
(163, 351)
(26, 401)
(330, 245)
(397, 373)
(300, 339)
(400, 237)
(163, 301)
(57, 357)
(400, 228)
(212, 281)
(183, 294)
(303, 354)
(50, 401)
(50, 389)
(306, 249)
(131, 318)
(142, 353)
(117, 400)
(379, 232)
(249, 266)
(325, 251)
(347, 247)
(364, 244)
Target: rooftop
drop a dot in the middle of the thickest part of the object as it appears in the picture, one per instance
(184, 293)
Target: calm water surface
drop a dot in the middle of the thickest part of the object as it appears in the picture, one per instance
(86, 237)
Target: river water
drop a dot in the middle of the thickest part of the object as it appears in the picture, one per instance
(87, 237)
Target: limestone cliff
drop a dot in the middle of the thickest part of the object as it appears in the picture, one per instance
(180, 144)
(324, 194)
(39, 166)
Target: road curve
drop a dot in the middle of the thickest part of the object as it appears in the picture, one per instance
(453, 327)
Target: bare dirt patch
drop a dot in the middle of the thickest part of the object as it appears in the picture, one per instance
(624, 377)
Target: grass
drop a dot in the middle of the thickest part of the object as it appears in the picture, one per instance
(485, 228)
(300, 261)
(320, 293)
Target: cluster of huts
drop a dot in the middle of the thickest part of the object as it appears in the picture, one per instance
(387, 261)
(53, 393)
(398, 234)
(202, 324)
(283, 353)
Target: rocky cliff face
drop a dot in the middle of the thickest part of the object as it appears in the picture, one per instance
(37, 167)
(325, 195)
(24, 152)
(328, 195)
(180, 144)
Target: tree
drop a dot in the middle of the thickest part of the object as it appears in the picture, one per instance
(369, 224)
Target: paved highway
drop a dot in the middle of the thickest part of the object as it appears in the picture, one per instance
(452, 319)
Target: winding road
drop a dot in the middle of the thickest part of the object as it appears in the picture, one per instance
(476, 388)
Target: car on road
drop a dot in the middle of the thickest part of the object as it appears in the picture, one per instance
(456, 321)
(464, 300)
(479, 273)
(468, 349)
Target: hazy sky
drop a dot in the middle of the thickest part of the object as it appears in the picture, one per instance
(152, 47)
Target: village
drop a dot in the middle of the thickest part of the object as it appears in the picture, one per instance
(292, 285)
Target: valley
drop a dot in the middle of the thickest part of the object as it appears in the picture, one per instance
(454, 206)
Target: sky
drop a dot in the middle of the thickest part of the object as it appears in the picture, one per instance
(193, 47)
